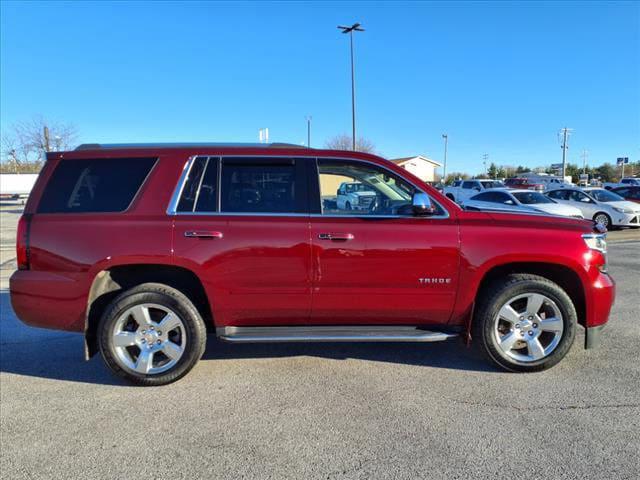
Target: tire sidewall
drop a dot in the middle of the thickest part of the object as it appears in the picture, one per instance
(554, 293)
(182, 307)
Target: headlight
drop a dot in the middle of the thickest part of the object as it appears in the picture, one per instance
(623, 210)
(598, 242)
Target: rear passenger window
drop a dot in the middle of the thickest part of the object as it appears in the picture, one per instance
(95, 185)
(255, 186)
(200, 191)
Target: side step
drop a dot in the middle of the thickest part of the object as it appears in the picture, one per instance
(330, 334)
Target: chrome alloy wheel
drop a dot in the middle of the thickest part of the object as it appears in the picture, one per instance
(148, 339)
(528, 327)
(602, 219)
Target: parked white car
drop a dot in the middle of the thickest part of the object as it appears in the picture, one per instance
(462, 190)
(603, 206)
(625, 182)
(355, 196)
(520, 201)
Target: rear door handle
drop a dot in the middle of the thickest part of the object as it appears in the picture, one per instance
(336, 237)
(203, 234)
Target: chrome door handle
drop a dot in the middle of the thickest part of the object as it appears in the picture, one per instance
(337, 237)
(202, 234)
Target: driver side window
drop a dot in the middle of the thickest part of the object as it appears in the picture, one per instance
(365, 189)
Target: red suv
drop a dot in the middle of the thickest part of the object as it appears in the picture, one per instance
(144, 249)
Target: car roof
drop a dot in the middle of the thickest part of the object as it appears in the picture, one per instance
(135, 150)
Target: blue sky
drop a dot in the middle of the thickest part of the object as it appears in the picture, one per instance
(500, 78)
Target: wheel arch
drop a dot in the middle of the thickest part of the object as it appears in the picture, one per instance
(109, 283)
(565, 277)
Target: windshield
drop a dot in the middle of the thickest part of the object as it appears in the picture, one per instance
(358, 187)
(492, 184)
(605, 196)
(529, 198)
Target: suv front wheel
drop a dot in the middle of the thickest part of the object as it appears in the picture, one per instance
(525, 323)
(151, 334)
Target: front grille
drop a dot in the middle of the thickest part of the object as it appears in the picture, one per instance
(365, 201)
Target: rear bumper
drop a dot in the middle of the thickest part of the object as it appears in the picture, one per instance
(48, 300)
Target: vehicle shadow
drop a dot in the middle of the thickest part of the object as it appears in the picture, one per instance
(34, 352)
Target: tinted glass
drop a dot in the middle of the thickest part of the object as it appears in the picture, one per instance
(492, 184)
(468, 184)
(104, 185)
(200, 191)
(493, 197)
(559, 194)
(605, 196)
(259, 187)
(531, 198)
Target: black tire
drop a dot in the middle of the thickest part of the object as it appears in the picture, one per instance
(451, 197)
(348, 206)
(170, 298)
(492, 299)
(606, 217)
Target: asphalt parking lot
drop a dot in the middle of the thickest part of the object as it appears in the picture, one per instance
(323, 410)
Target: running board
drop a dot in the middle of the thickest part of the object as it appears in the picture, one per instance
(329, 334)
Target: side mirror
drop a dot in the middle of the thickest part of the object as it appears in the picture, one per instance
(477, 189)
(422, 205)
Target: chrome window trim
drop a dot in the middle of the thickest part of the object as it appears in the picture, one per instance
(177, 193)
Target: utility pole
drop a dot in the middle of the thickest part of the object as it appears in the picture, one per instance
(46, 139)
(485, 157)
(444, 171)
(355, 27)
(565, 146)
(585, 155)
(309, 131)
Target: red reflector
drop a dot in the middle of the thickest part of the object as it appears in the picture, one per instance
(22, 243)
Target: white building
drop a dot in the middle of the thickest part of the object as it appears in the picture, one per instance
(422, 167)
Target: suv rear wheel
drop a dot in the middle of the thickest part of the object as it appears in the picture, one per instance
(525, 323)
(151, 335)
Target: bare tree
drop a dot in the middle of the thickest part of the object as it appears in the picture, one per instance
(28, 141)
(343, 142)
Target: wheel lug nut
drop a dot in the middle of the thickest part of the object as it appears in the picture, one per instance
(530, 333)
(151, 327)
(521, 318)
(144, 331)
(535, 325)
(517, 325)
(159, 342)
(530, 318)
(159, 332)
(143, 341)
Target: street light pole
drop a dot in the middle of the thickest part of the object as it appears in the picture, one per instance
(355, 27)
(444, 171)
(485, 156)
(309, 131)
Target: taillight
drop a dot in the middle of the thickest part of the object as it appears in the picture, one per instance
(22, 242)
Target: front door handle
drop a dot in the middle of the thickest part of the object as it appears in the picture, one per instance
(336, 237)
(202, 234)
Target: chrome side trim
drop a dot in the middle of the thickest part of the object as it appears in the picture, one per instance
(330, 334)
(177, 192)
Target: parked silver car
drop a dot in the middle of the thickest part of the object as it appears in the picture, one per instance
(603, 206)
(520, 200)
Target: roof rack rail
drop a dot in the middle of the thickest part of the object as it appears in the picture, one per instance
(114, 146)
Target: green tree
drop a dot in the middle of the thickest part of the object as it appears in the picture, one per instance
(607, 172)
(493, 171)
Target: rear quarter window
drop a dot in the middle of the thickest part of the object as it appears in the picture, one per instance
(94, 185)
